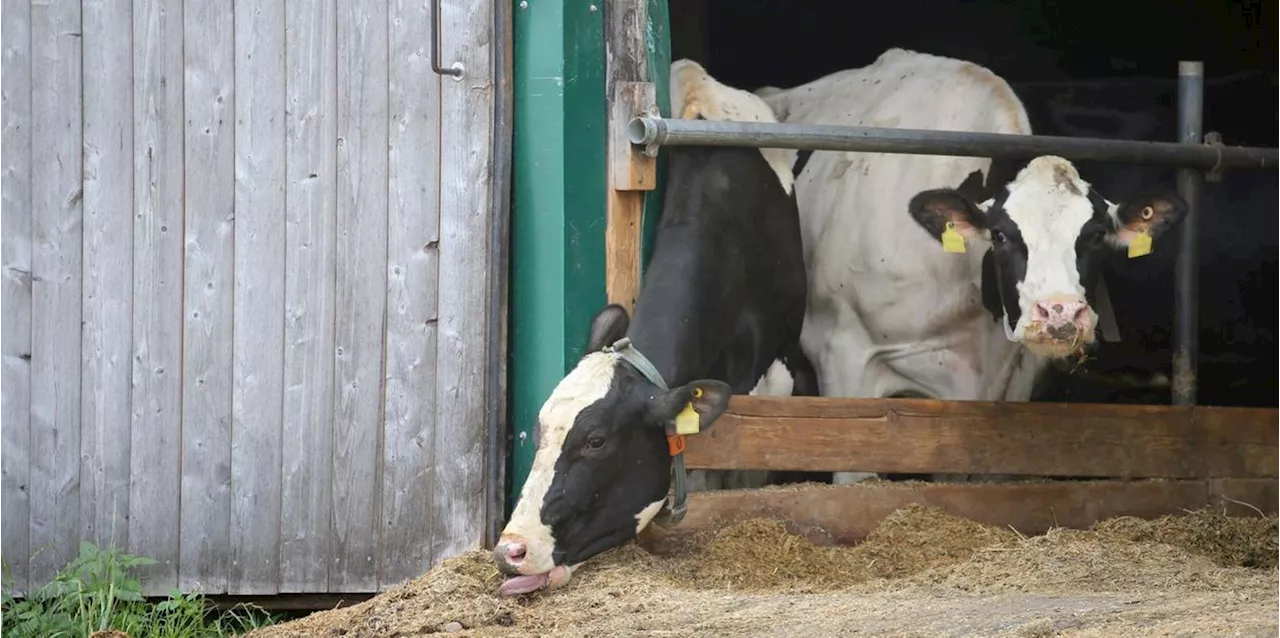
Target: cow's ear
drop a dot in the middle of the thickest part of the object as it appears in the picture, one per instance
(705, 398)
(1154, 212)
(608, 326)
(934, 209)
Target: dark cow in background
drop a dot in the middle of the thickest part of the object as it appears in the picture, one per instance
(722, 301)
(1238, 234)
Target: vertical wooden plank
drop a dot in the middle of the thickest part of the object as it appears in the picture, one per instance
(209, 143)
(156, 435)
(57, 215)
(15, 290)
(629, 173)
(361, 292)
(412, 268)
(467, 109)
(496, 442)
(257, 410)
(311, 144)
(108, 280)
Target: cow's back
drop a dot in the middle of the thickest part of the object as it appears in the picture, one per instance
(888, 309)
(724, 292)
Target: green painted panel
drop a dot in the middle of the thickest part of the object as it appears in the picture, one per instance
(557, 225)
(586, 178)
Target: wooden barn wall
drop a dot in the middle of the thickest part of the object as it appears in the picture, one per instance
(245, 253)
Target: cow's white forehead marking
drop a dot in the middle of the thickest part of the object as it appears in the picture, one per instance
(694, 93)
(587, 383)
(1050, 204)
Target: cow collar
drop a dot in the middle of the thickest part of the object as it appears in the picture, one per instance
(673, 509)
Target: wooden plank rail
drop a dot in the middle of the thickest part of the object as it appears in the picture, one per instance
(845, 514)
(630, 172)
(827, 434)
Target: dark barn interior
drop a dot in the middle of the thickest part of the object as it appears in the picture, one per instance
(1090, 69)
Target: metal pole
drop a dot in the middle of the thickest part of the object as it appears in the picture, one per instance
(1186, 322)
(655, 131)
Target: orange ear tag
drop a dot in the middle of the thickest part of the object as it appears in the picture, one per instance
(952, 240)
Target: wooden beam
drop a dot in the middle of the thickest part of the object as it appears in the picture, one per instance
(845, 514)
(827, 434)
(277, 603)
(630, 173)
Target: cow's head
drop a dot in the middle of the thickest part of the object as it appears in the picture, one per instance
(602, 469)
(1046, 235)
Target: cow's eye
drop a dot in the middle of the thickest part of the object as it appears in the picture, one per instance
(595, 442)
(997, 236)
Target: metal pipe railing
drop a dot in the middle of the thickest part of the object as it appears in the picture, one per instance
(1190, 154)
(652, 132)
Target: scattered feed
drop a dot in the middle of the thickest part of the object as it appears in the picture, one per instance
(922, 572)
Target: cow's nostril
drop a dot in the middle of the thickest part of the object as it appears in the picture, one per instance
(510, 554)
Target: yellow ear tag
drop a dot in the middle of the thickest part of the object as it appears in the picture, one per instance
(952, 241)
(687, 420)
(1140, 245)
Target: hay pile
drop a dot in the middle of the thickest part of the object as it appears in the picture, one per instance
(921, 570)
(760, 555)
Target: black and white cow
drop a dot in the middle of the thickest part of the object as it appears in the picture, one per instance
(890, 312)
(1237, 246)
(722, 300)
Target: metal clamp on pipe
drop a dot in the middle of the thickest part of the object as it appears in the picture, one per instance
(1213, 139)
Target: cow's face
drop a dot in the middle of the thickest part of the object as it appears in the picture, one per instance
(1046, 235)
(602, 468)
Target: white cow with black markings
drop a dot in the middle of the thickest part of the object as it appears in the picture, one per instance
(890, 312)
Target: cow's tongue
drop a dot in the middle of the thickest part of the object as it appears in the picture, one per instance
(523, 584)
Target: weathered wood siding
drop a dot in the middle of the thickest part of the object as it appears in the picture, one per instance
(246, 289)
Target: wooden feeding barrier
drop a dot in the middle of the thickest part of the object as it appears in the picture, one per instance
(1137, 460)
(1132, 460)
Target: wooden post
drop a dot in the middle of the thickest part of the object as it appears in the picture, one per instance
(630, 173)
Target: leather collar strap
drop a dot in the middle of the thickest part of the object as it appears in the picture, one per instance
(673, 509)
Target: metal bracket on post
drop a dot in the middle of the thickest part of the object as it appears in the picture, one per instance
(1186, 306)
(650, 150)
(642, 131)
(632, 169)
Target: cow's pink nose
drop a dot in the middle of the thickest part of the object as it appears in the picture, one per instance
(1059, 310)
(510, 552)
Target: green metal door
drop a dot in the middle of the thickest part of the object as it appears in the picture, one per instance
(558, 206)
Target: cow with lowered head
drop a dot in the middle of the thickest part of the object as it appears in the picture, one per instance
(723, 300)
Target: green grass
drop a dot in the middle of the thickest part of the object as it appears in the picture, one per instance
(100, 590)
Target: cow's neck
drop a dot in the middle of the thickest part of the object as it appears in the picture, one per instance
(666, 332)
(666, 350)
